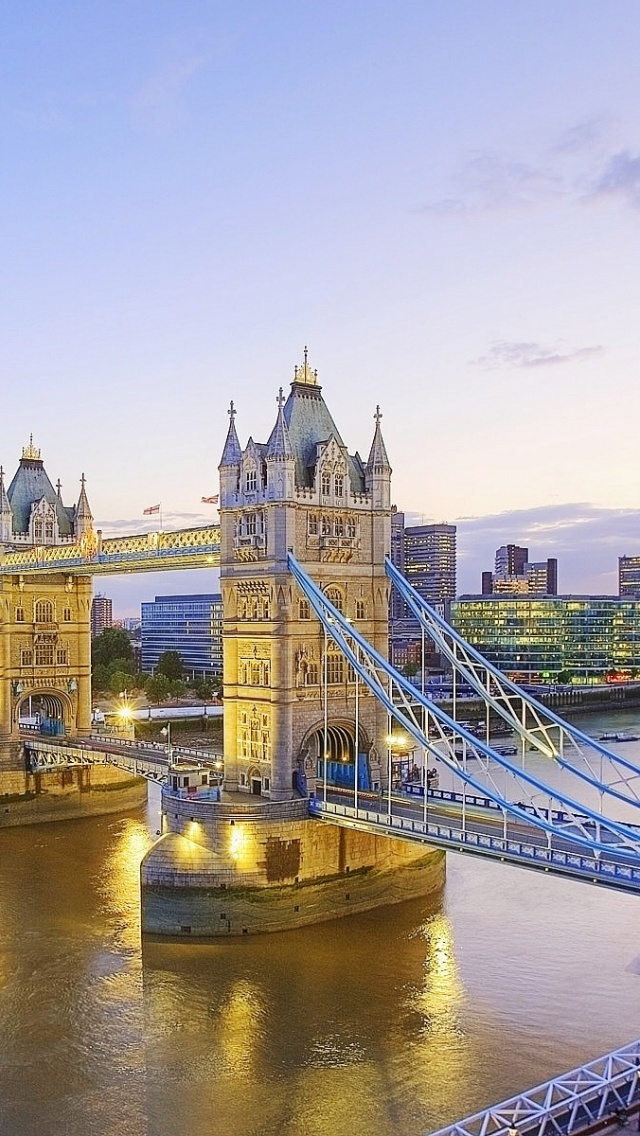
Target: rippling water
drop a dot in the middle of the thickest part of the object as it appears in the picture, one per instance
(394, 1022)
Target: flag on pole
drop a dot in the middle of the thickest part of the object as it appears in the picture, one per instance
(210, 500)
(151, 509)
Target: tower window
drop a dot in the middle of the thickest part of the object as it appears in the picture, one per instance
(44, 611)
(313, 524)
(338, 485)
(334, 595)
(335, 669)
(326, 526)
(360, 609)
(251, 480)
(44, 654)
(66, 615)
(304, 609)
(26, 658)
(326, 484)
(19, 615)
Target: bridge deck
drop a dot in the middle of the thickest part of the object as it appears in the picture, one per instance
(603, 1094)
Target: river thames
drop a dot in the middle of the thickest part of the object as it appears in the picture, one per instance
(392, 1023)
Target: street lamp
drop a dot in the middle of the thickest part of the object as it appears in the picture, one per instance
(125, 713)
(166, 733)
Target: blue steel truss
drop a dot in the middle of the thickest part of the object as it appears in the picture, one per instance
(607, 1089)
(534, 724)
(474, 761)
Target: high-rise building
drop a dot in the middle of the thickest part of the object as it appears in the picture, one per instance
(426, 555)
(101, 615)
(515, 574)
(629, 576)
(190, 625)
(510, 560)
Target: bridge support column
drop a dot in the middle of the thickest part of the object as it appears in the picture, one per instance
(231, 869)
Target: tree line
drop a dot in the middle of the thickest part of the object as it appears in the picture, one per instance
(114, 669)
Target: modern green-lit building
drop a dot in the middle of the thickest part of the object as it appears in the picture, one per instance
(533, 639)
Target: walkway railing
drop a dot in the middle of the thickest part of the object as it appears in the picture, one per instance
(185, 548)
(608, 869)
(585, 1099)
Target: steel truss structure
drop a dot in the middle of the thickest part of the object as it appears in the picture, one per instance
(605, 1089)
(534, 724)
(518, 794)
(185, 548)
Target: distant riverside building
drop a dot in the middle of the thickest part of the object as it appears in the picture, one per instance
(190, 625)
(515, 574)
(535, 639)
(426, 555)
(101, 615)
(629, 576)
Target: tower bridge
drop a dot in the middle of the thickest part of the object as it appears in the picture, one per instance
(311, 701)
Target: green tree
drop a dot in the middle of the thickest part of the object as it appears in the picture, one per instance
(410, 669)
(170, 665)
(114, 643)
(157, 688)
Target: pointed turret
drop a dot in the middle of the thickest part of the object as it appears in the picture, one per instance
(280, 458)
(378, 470)
(6, 516)
(84, 516)
(230, 463)
(232, 452)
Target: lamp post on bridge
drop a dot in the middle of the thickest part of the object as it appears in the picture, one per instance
(166, 733)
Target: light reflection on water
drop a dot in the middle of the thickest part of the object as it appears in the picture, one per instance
(397, 1021)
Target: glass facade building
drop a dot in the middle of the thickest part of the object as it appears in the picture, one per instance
(190, 625)
(534, 639)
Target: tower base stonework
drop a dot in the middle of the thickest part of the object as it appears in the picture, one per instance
(231, 868)
(66, 794)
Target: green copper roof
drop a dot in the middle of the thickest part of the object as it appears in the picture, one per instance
(309, 422)
(31, 484)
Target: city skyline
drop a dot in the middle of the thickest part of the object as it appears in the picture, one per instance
(441, 201)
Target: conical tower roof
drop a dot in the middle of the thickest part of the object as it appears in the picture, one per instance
(30, 484)
(378, 461)
(279, 444)
(232, 452)
(83, 511)
(5, 507)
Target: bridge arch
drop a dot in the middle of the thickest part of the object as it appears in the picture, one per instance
(341, 749)
(51, 710)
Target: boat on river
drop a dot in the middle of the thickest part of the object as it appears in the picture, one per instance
(620, 737)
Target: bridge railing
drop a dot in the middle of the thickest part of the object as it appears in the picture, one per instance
(584, 1099)
(600, 869)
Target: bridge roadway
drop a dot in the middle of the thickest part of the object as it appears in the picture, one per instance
(466, 823)
(146, 759)
(602, 1096)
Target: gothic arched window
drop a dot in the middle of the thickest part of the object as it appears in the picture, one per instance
(325, 484)
(304, 609)
(44, 611)
(334, 595)
(338, 485)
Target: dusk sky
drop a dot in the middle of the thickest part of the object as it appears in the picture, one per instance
(441, 198)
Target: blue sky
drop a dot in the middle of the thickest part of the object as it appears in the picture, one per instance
(442, 199)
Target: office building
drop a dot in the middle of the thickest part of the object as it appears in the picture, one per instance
(535, 639)
(629, 576)
(426, 555)
(101, 615)
(515, 574)
(190, 625)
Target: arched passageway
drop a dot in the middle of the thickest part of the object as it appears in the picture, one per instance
(340, 754)
(43, 711)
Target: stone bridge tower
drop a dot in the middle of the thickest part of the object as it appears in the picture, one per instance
(301, 491)
(45, 643)
(252, 859)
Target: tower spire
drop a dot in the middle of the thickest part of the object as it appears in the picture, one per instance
(378, 461)
(6, 516)
(232, 452)
(279, 444)
(84, 516)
